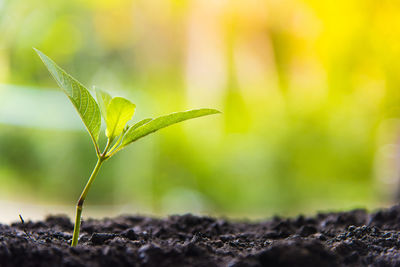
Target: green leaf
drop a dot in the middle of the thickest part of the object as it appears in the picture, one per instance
(119, 112)
(103, 99)
(135, 133)
(80, 97)
(138, 124)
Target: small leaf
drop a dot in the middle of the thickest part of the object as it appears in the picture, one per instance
(103, 99)
(80, 97)
(119, 112)
(135, 133)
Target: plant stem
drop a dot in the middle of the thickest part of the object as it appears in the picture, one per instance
(79, 206)
(116, 144)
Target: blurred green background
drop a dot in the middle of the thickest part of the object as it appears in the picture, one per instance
(309, 90)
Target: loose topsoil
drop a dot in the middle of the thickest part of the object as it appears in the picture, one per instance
(351, 238)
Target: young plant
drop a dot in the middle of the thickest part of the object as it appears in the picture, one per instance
(116, 112)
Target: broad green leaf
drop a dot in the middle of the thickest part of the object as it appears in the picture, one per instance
(103, 99)
(119, 112)
(134, 133)
(80, 97)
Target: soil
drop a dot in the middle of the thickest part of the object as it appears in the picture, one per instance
(351, 238)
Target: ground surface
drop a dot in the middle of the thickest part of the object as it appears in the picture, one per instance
(329, 239)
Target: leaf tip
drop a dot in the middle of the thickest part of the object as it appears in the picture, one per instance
(40, 53)
(42, 56)
(212, 111)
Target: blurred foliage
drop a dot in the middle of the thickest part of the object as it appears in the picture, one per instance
(309, 90)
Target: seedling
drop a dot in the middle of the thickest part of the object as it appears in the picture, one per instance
(116, 112)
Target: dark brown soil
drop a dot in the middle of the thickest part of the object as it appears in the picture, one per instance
(329, 239)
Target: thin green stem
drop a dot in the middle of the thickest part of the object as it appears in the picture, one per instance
(112, 152)
(106, 148)
(82, 198)
(79, 206)
(116, 144)
(96, 146)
